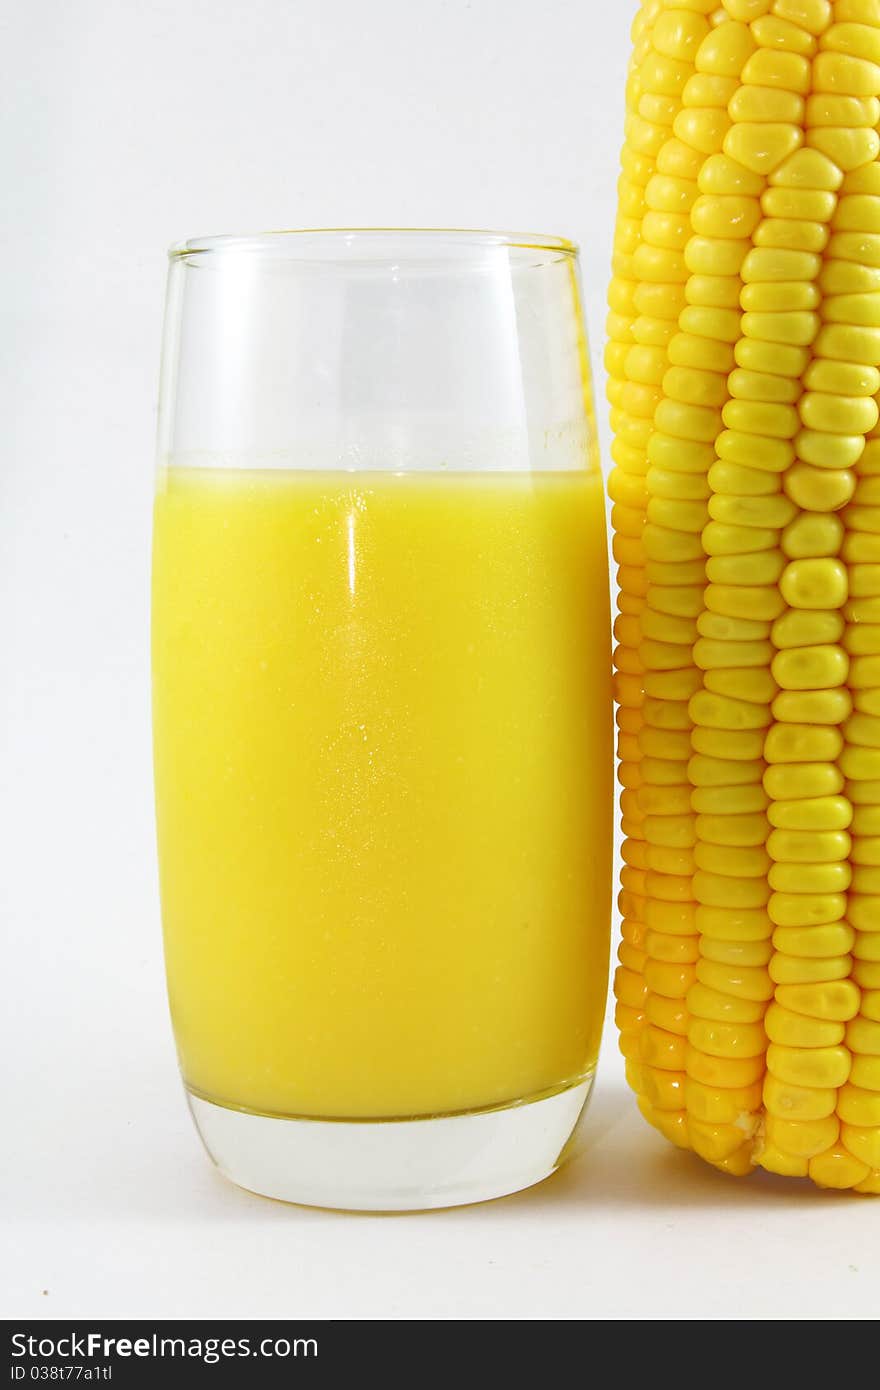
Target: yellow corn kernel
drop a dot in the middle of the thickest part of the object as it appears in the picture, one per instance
(678, 34)
(732, 830)
(811, 537)
(827, 109)
(847, 147)
(862, 1037)
(867, 943)
(771, 67)
(866, 851)
(802, 743)
(863, 639)
(720, 628)
(725, 215)
(709, 1004)
(721, 1105)
(823, 940)
(814, 16)
(708, 89)
(754, 685)
(870, 1184)
(820, 1067)
(667, 1014)
(863, 40)
(803, 780)
(678, 160)
(719, 772)
(870, 996)
(769, 359)
(811, 668)
(733, 1040)
(664, 1090)
(798, 204)
(787, 1165)
(800, 628)
(732, 923)
(665, 1051)
(864, 672)
(702, 128)
(739, 863)
(808, 846)
(802, 1138)
(714, 1142)
(740, 745)
(746, 10)
(714, 711)
(758, 453)
(719, 890)
(863, 1143)
(857, 212)
(866, 820)
(837, 1168)
(826, 450)
(672, 1124)
(792, 235)
(841, 72)
(725, 50)
(819, 489)
(629, 988)
(860, 764)
(680, 950)
(662, 75)
(772, 31)
(801, 970)
(810, 878)
(794, 1030)
(632, 929)
(794, 1102)
(736, 952)
(634, 852)
(671, 980)
(628, 1042)
(847, 378)
(755, 604)
(741, 554)
(630, 957)
(723, 1072)
(812, 706)
(722, 175)
(753, 984)
(716, 291)
(840, 414)
(628, 1020)
(673, 919)
(667, 860)
(848, 342)
(836, 1000)
(759, 104)
(758, 512)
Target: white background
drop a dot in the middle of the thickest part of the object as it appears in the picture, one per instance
(127, 124)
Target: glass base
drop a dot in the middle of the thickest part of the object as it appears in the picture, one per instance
(394, 1165)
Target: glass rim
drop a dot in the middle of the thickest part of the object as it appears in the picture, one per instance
(303, 243)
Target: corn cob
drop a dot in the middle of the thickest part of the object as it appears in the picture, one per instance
(742, 360)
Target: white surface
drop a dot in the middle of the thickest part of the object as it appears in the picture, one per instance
(128, 124)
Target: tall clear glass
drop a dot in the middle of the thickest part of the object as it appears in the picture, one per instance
(382, 710)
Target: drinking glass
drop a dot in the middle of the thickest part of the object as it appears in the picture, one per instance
(382, 710)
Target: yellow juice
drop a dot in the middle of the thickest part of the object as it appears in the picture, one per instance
(383, 763)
